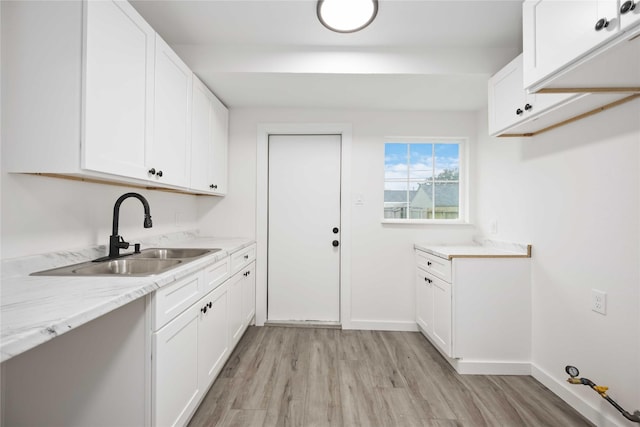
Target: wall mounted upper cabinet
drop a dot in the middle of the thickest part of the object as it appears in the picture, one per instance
(95, 94)
(170, 153)
(118, 91)
(583, 44)
(80, 100)
(209, 136)
(515, 112)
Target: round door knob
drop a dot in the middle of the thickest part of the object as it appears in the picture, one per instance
(428, 262)
(528, 107)
(204, 309)
(519, 112)
(335, 230)
(213, 186)
(159, 173)
(627, 7)
(602, 23)
(152, 171)
(210, 304)
(335, 243)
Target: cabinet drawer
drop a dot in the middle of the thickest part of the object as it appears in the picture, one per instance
(172, 300)
(215, 274)
(435, 265)
(242, 258)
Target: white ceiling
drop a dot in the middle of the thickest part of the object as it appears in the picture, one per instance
(416, 55)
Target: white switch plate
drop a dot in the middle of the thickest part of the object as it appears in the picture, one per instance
(599, 301)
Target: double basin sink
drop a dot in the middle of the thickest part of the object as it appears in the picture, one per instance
(147, 262)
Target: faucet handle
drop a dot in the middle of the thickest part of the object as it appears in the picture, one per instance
(122, 244)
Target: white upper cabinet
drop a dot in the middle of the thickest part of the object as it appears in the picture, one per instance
(170, 151)
(97, 94)
(220, 132)
(209, 128)
(565, 43)
(514, 111)
(119, 55)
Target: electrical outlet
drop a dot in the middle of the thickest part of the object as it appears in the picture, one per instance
(598, 301)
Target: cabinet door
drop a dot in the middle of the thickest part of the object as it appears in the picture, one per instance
(170, 152)
(556, 33)
(249, 293)
(201, 138)
(212, 335)
(175, 390)
(220, 136)
(506, 97)
(236, 319)
(424, 301)
(442, 315)
(510, 104)
(118, 98)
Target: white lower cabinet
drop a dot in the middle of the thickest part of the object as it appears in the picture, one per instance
(175, 388)
(196, 323)
(442, 314)
(213, 339)
(424, 300)
(433, 309)
(249, 293)
(476, 311)
(235, 308)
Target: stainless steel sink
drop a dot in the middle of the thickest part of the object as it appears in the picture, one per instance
(173, 253)
(128, 267)
(148, 262)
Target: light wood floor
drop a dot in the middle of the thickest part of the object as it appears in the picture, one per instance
(280, 376)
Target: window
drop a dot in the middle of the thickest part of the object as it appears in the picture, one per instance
(422, 180)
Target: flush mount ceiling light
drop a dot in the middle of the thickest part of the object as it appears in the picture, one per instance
(347, 16)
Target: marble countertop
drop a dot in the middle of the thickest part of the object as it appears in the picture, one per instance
(480, 248)
(35, 309)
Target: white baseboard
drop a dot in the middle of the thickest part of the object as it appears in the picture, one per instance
(376, 325)
(563, 391)
(481, 367)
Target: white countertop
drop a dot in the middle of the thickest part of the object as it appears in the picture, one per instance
(482, 249)
(35, 309)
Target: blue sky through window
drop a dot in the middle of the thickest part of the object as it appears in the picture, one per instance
(413, 163)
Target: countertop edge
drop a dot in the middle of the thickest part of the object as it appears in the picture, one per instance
(28, 338)
(461, 252)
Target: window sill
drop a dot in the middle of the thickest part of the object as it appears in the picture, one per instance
(425, 222)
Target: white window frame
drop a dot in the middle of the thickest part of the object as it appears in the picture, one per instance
(463, 144)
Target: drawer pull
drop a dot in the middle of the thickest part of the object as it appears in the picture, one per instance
(428, 280)
(246, 256)
(429, 263)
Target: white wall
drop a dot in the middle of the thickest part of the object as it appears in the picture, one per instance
(382, 278)
(42, 214)
(574, 194)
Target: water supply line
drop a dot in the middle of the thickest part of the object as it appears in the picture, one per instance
(601, 390)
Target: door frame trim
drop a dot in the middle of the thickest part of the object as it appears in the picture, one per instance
(262, 198)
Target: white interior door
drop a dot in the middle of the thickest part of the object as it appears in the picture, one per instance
(303, 278)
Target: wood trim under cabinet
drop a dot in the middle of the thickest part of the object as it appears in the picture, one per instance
(119, 183)
(572, 119)
(629, 89)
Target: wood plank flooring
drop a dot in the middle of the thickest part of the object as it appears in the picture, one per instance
(279, 376)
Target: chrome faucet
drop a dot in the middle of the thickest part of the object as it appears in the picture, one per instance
(116, 242)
